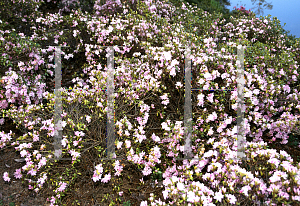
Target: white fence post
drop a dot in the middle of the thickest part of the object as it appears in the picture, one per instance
(241, 139)
(188, 106)
(58, 105)
(110, 105)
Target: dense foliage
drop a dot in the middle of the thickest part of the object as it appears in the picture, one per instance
(147, 76)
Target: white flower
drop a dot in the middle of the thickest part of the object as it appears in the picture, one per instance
(6, 177)
(20, 64)
(178, 84)
(75, 32)
(37, 20)
(210, 97)
(167, 55)
(174, 179)
(219, 196)
(23, 153)
(88, 119)
(144, 203)
(128, 144)
(245, 190)
(64, 142)
(119, 145)
(210, 131)
(155, 138)
(180, 186)
(165, 126)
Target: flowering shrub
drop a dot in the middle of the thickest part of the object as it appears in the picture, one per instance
(146, 77)
(242, 9)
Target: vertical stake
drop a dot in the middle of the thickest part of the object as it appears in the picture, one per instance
(188, 106)
(241, 139)
(58, 105)
(110, 105)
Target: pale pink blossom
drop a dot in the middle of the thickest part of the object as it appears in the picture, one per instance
(218, 196)
(128, 144)
(88, 119)
(18, 174)
(62, 187)
(119, 145)
(6, 177)
(106, 178)
(231, 198)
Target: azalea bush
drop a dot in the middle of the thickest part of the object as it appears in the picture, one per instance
(242, 9)
(149, 76)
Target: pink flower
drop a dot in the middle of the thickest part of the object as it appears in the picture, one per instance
(231, 198)
(143, 203)
(74, 154)
(6, 177)
(62, 187)
(77, 133)
(32, 172)
(74, 23)
(18, 174)
(35, 137)
(118, 168)
(178, 84)
(277, 176)
(211, 97)
(165, 126)
(106, 178)
(212, 117)
(128, 144)
(167, 55)
(201, 100)
(23, 153)
(147, 170)
(99, 168)
(192, 197)
(180, 186)
(119, 145)
(288, 167)
(96, 177)
(141, 137)
(64, 142)
(42, 180)
(274, 161)
(155, 138)
(88, 119)
(245, 190)
(165, 193)
(219, 196)
(164, 97)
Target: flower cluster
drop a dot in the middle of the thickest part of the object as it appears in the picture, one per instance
(242, 9)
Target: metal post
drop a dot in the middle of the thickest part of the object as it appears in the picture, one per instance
(188, 106)
(58, 105)
(110, 105)
(241, 139)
